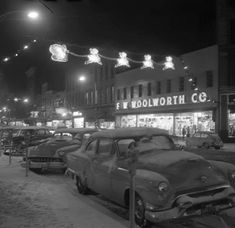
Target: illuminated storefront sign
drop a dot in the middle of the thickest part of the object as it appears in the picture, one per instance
(162, 101)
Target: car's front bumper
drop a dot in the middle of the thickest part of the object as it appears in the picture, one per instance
(45, 165)
(186, 206)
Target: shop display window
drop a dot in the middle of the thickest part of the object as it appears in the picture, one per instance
(163, 121)
(128, 121)
(78, 122)
(231, 123)
(193, 122)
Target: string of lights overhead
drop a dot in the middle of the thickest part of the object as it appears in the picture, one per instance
(60, 54)
(25, 47)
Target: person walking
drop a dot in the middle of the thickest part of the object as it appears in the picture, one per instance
(184, 131)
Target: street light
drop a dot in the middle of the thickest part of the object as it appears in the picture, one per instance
(26, 100)
(82, 78)
(33, 15)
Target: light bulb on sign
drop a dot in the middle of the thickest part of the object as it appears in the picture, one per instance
(168, 63)
(93, 57)
(59, 52)
(122, 60)
(26, 47)
(148, 62)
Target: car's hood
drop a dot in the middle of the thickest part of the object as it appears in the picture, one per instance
(184, 170)
(49, 148)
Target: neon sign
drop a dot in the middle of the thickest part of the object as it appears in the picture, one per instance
(162, 101)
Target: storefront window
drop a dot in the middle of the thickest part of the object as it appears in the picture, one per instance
(193, 121)
(172, 122)
(128, 121)
(163, 121)
(78, 122)
(231, 122)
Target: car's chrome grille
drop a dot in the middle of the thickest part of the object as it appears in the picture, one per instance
(202, 191)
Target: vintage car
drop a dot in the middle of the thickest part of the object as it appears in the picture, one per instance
(169, 183)
(50, 154)
(23, 137)
(204, 139)
(6, 135)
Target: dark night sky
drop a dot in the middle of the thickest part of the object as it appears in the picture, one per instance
(157, 27)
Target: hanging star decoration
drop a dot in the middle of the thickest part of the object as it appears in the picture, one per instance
(168, 64)
(148, 62)
(122, 60)
(93, 57)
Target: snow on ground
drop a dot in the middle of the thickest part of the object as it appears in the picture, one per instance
(39, 201)
(52, 201)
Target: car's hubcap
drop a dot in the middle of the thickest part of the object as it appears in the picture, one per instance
(139, 209)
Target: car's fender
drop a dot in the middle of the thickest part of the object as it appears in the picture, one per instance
(146, 182)
(227, 169)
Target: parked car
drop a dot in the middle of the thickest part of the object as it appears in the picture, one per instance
(23, 137)
(6, 135)
(50, 154)
(204, 139)
(169, 183)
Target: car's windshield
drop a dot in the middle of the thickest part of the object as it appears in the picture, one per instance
(159, 142)
(162, 142)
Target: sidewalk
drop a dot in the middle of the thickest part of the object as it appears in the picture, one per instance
(39, 201)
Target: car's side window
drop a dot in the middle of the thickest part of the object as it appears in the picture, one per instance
(91, 148)
(197, 135)
(105, 147)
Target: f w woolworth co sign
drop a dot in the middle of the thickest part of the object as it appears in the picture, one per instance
(162, 101)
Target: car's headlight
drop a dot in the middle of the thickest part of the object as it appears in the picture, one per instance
(163, 187)
(61, 153)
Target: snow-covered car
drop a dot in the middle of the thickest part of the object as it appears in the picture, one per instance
(22, 137)
(6, 135)
(169, 183)
(50, 154)
(204, 139)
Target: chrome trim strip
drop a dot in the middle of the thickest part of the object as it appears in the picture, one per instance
(122, 169)
(207, 190)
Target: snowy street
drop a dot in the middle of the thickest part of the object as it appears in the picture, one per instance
(52, 201)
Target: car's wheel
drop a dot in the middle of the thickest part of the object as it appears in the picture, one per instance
(205, 145)
(81, 185)
(217, 147)
(140, 212)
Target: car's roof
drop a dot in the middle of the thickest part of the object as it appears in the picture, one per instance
(31, 128)
(130, 132)
(75, 130)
